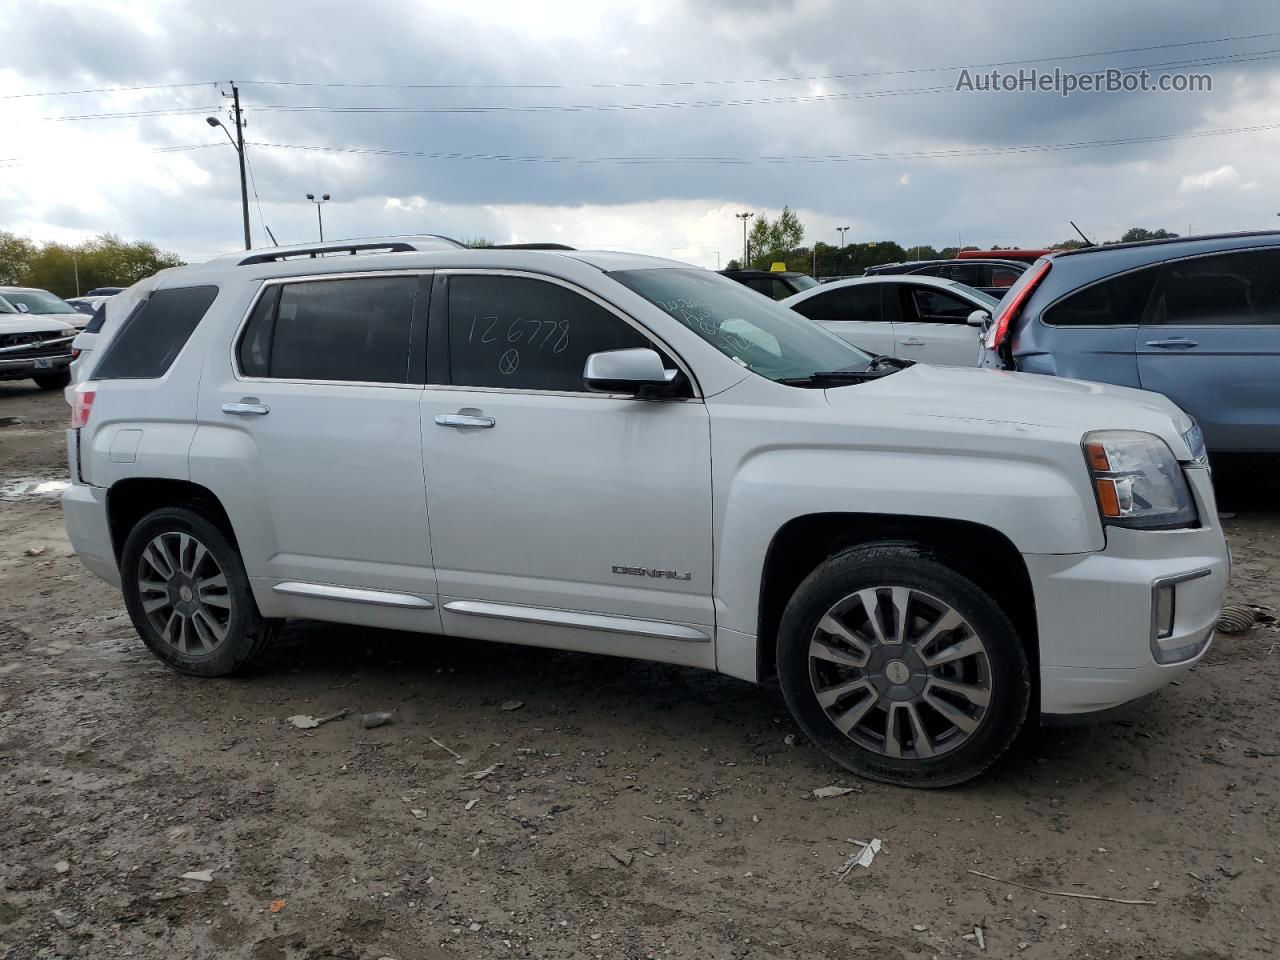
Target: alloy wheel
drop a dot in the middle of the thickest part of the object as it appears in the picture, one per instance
(900, 672)
(184, 593)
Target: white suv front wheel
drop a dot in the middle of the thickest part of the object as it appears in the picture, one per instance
(902, 669)
(188, 595)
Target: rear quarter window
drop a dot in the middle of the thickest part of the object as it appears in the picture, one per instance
(1116, 302)
(155, 333)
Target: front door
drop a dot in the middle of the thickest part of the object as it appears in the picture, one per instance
(561, 517)
(313, 444)
(933, 326)
(1211, 344)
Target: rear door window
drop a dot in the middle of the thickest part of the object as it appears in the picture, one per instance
(355, 330)
(1116, 302)
(1232, 289)
(155, 333)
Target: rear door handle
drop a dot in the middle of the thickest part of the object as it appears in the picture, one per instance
(248, 406)
(1173, 343)
(911, 342)
(464, 420)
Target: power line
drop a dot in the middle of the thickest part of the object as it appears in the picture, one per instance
(722, 82)
(134, 114)
(944, 154)
(70, 93)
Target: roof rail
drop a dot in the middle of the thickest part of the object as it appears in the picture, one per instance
(1163, 241)
(531, 246)
(271, 256)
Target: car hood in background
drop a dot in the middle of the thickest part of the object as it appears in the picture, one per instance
(33, 323)
(1021, 400)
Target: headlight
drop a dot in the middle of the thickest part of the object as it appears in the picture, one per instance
(1137, 480)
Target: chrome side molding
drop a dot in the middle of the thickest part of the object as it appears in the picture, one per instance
(585, 621)
(327, 591)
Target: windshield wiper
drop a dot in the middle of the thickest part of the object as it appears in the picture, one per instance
(835, 378)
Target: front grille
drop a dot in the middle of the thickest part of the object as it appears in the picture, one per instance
(37, 344)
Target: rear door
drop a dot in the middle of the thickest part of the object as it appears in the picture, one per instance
(856, 313)
(310, 436)
(1211, 343)
(933, 326)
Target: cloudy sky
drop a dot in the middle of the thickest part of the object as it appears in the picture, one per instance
(640, 126)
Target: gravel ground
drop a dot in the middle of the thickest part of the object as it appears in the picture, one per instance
(600, 808)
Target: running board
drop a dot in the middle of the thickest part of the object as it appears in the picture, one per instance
(585, 621)
(326, 591)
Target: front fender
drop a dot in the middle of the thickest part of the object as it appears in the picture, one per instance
(1037, 506)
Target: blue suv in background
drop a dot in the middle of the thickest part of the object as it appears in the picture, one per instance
(1194, 318)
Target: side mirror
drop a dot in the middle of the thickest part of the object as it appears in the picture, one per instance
(637, 371)
(979, 319)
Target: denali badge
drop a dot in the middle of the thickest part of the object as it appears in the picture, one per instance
(651, 572)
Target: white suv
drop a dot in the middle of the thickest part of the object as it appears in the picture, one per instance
(626, 455)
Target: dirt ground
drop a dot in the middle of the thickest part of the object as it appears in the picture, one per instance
(620, 810)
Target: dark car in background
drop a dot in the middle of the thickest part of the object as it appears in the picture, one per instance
(992, 277)
(777, 284)
(1194, 318)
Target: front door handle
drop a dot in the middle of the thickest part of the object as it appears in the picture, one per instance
(464, 420)
(1173, 343)
(247, 405)
(911, 342)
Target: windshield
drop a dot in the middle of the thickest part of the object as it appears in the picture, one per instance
(38, 301)
(803, 282)
(754, 331)
(6, 307)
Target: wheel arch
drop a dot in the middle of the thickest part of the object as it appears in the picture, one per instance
(131, 499)
(982, 553)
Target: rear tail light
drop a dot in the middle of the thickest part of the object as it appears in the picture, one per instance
(82, 404)
(999, 331)
(74, 353)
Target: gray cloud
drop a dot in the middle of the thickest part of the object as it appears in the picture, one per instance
(1023, 198)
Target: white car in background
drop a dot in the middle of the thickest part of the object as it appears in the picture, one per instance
(34, 346)
(930, 319)
(42, 303)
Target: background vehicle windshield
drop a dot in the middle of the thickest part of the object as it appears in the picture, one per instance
(804, 283)
(752, 330)
(986, 298)
(38, 301)
(6, 307)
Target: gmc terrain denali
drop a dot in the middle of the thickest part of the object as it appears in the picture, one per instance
(630, 456)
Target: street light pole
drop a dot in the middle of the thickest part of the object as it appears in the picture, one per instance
(238, 142)
(841, 231)
(319, 219)
(744, 217)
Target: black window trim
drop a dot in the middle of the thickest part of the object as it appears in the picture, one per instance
(1157, 266)
(1157, 290)
(439, 331)
(415, 365)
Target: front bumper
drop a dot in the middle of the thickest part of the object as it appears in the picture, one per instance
(24, 368)
(1099, 639)
(84, 511)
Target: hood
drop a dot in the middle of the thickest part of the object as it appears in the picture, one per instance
(33, 323)
(75, 318)
(1004, 400)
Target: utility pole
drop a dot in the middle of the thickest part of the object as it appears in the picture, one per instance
(244, 184)
(75, 263)
(842, 231)
(238, 142)
(744, 217)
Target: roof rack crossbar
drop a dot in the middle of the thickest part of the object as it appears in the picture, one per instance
(271, 256)
(530, 246)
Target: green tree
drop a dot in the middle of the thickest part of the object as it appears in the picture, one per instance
(15, 255)
(1134, 234)
(775, 241)
(105, 261)
(1067, 245)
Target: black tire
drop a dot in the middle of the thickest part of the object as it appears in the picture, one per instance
(246, 632)
(52, 381)
(1005, 669)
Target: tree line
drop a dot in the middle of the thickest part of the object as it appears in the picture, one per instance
(72, 269)
(781, 240)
